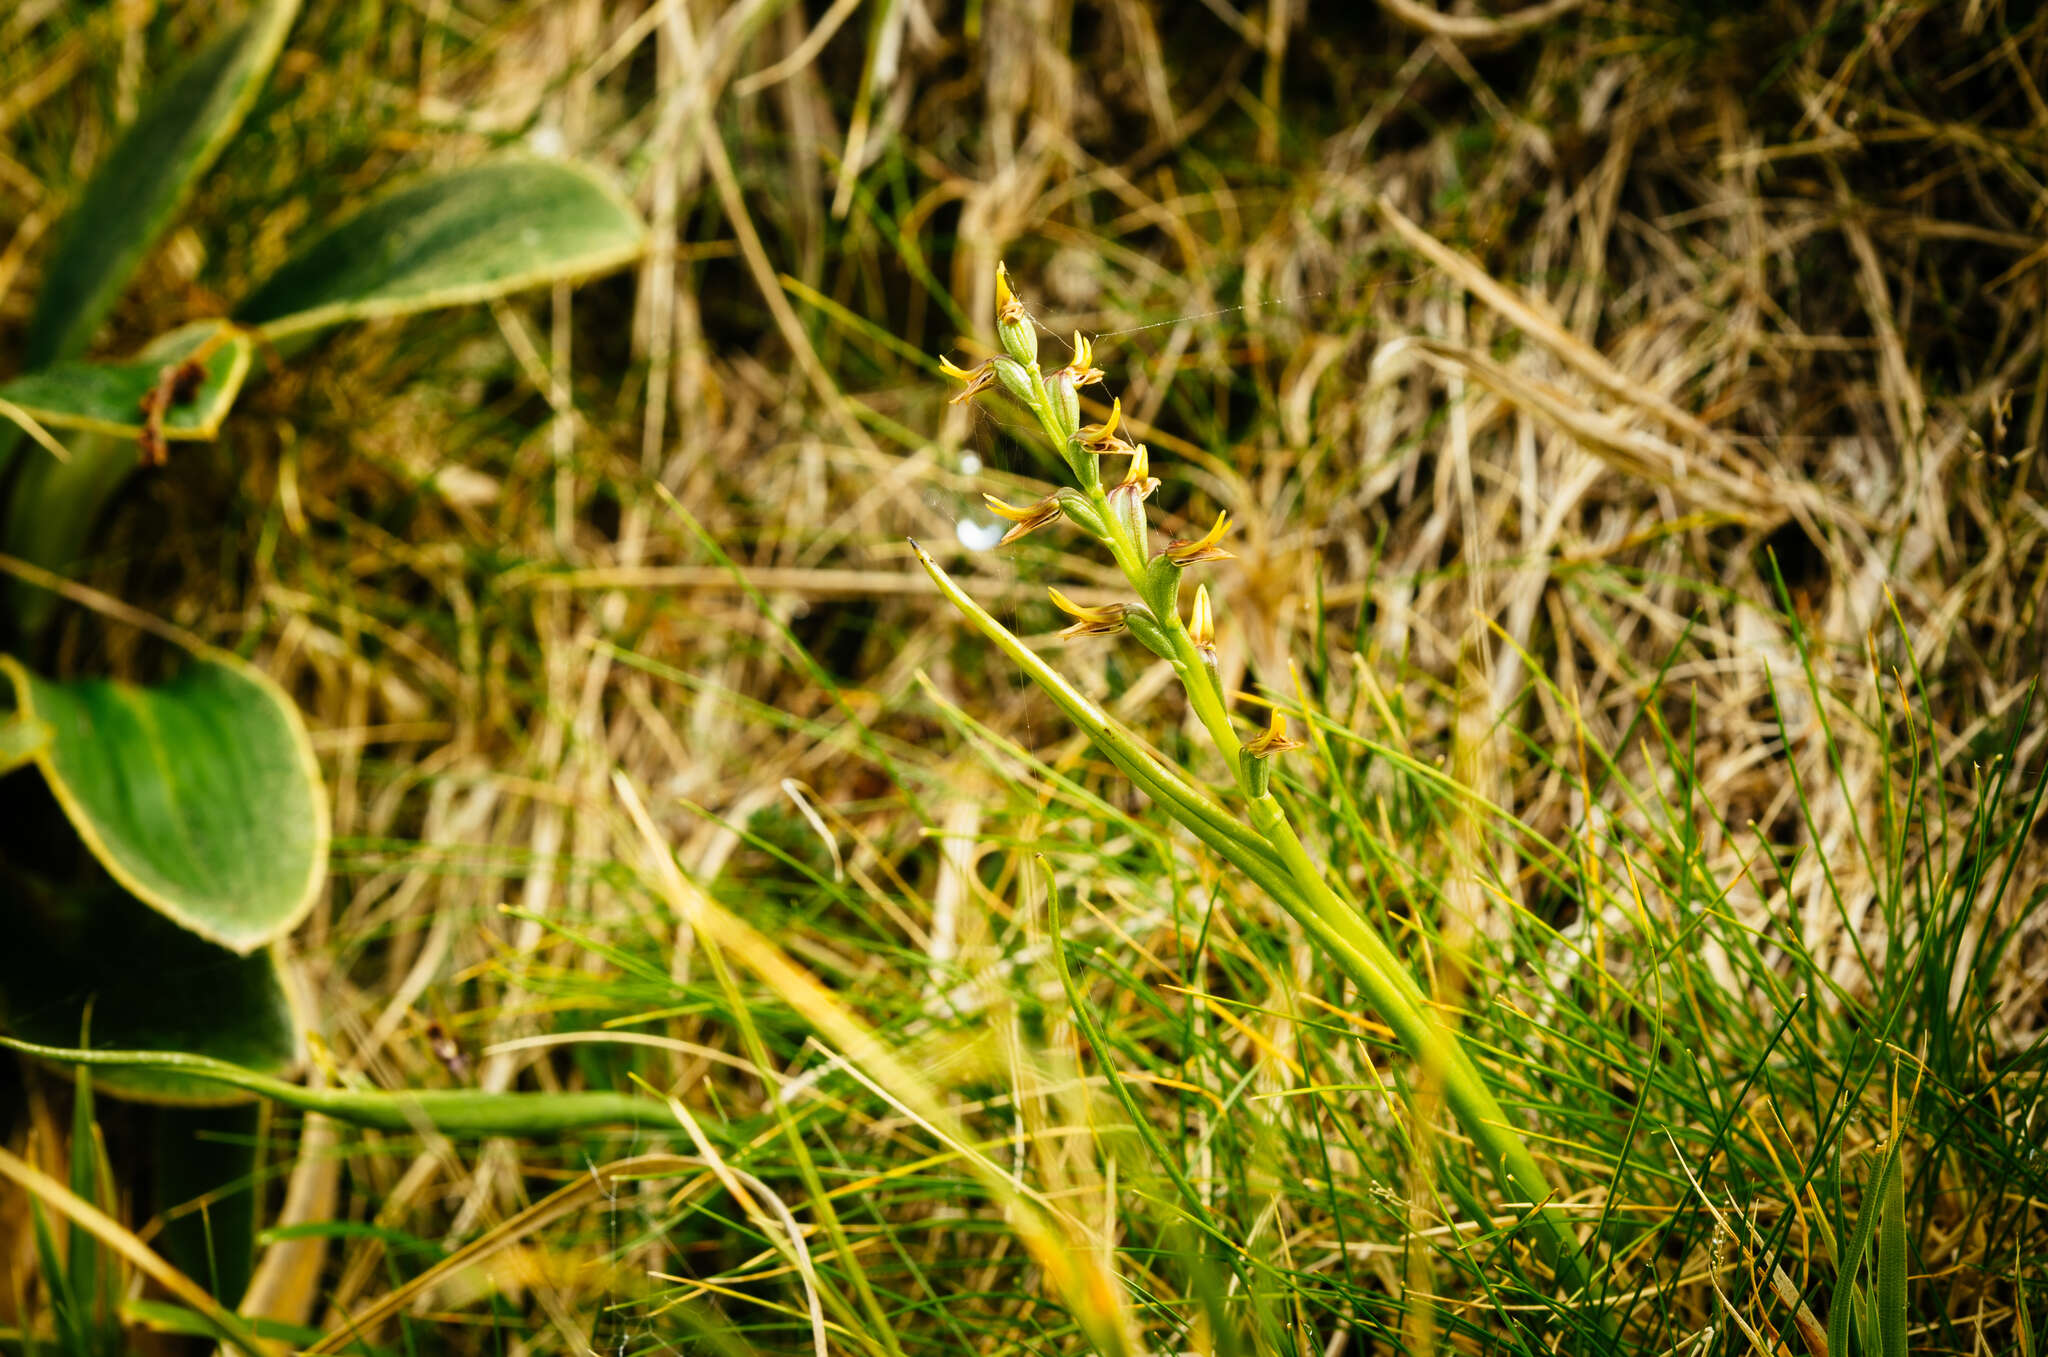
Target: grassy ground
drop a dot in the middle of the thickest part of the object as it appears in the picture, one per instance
(1630, 414)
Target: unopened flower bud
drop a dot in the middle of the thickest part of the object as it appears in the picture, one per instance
(1081, 512)
(1202, 622)
(1127, 498)
(1148, 631)
(1066, 403)
(1013, 326)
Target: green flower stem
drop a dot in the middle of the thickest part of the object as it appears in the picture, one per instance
(1367, 959)
(1194, 808)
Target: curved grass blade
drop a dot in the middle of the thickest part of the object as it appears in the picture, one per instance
(448, 239)
(200, 796)
(450, 1111)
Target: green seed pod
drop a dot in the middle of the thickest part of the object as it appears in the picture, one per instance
(1019, 335)
(1016, 379)
(1081, 513)
(1258, 774)
(1161, 586)
(1141, 625)
(1128, 509)
(1066, 402)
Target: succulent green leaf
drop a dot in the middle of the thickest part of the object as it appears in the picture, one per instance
(108, 397)
(452, 1111)
(200, 796)
(136, 190)
(464, 236)
(147, 983)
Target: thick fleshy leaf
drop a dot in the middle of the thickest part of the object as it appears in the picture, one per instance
(200, 796)
(463, 236)
(149, 984)
(146, 178)
(109, 398)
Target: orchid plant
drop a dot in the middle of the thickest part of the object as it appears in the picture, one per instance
(1246, 822)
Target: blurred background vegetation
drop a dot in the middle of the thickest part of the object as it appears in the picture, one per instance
(1631, 413)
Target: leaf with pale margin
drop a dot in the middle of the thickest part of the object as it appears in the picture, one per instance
(463, 236)
(53, 507)
(107, 398)
(200, 796)
(20, 739)
(140, 185)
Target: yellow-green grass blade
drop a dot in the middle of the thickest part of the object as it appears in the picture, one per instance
(450, 1111)
(200, 795)
(446, 239)
(108, 398)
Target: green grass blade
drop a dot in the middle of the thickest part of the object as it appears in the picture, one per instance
(1841, 1306)
(1890, 1291)
(83, 1260)
(451, 1111)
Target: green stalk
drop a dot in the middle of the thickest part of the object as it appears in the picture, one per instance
(1365, 957)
